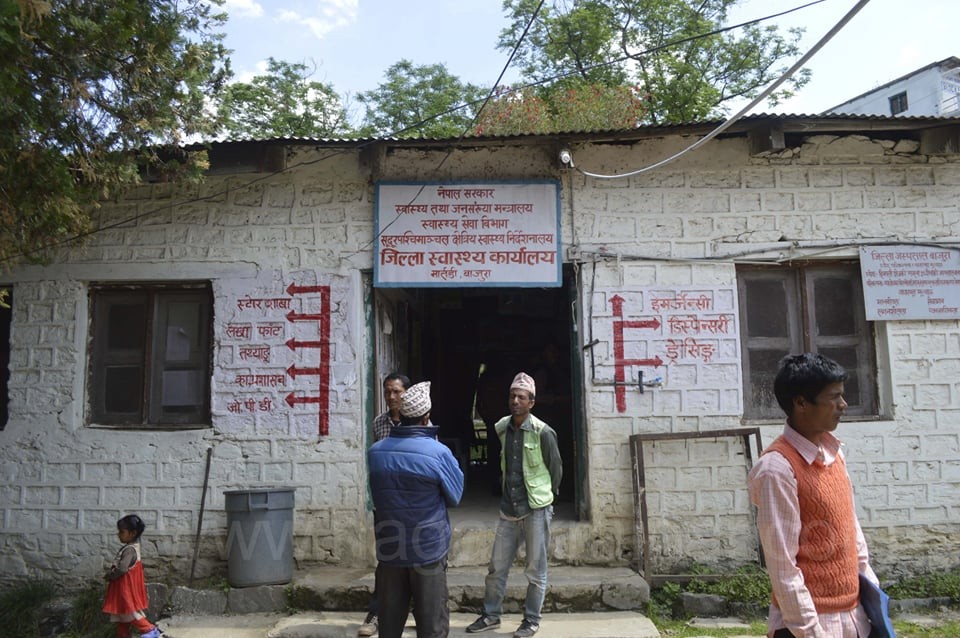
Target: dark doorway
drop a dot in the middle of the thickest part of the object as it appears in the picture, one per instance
(6, 318)
(470, 342)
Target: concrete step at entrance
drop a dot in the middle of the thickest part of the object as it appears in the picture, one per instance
(339, 624)
(470, 546)
(474, 525)
(572, 589)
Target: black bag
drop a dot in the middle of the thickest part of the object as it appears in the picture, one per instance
(876, 603)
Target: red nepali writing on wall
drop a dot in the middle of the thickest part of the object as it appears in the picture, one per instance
(319, 394)
(681, 315)
(238, 406)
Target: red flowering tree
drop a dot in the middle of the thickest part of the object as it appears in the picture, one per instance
(584, 107)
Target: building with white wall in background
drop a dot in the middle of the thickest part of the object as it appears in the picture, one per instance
(931, 90)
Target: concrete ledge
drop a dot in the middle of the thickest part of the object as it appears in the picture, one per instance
(253, 600)
(203, 602)
(184, 601)
(905, 605)
(323, 589)
(332, 588)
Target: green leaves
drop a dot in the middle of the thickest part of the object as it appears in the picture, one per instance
(85, 86)
(419, 101)
(944, 584)
(283, 102)
(93, 90)
(662, 47)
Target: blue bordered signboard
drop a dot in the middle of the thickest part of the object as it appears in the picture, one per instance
(456, 234)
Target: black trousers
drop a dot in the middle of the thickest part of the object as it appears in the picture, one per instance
(426, 586)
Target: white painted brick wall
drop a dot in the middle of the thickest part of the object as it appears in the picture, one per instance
(698, 509)
(71, 500)
(851, 188)
(64, 484)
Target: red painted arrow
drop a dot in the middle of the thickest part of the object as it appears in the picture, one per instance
(644, 323)
(293, 289)
(619, 373)
(323, 370)
(656, 362)
(296, 316)
(617, 302)
(294, 371)
(293, 400)
(293, 344)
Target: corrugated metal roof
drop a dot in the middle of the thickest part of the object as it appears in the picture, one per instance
(832, 118)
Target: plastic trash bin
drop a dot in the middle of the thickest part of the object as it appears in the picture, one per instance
(259, 536)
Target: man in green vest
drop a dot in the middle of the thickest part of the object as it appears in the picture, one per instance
(531, 469)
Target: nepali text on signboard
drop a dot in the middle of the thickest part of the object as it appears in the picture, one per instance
(910, 282)
(468, 234)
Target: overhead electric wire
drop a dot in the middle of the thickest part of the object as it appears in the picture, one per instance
(623, 58)
(732, 119)
(223, 191)
(467, 128)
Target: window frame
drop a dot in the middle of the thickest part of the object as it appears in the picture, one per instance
(152, 356)
(899, 103)
(800, 279)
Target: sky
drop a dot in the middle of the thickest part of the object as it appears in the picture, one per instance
(351, 43)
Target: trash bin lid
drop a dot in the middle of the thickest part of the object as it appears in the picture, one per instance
(264, 498)
(259, 490)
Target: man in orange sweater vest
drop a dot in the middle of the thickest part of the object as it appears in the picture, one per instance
(812, 542)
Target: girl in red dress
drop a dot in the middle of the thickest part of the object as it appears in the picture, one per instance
(126, 599)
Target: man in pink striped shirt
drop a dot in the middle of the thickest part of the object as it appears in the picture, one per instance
(812, 542)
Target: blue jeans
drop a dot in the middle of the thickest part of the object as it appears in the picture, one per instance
(534, 530)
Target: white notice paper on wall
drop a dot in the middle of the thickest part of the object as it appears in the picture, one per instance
(910, 282)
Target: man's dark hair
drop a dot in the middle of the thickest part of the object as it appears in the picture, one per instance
(396, 376)
(805, 375)
(413, 420)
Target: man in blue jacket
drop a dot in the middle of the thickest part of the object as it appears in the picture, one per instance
(413, 479)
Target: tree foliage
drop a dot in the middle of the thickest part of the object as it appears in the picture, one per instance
(419, 101)
(659, 46)
(90, 90)
(584, 107)
(282, 102)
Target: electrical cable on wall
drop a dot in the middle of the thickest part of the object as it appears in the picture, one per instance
(730, 121)
(824, 247)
